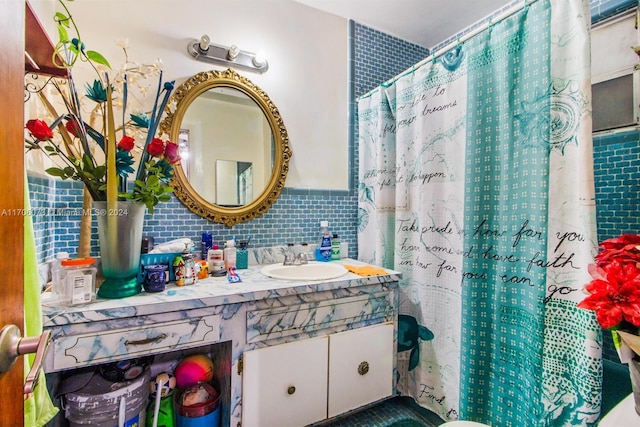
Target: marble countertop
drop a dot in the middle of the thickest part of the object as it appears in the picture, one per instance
(205, 293)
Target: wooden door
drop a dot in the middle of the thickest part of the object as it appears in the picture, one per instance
(12, 34)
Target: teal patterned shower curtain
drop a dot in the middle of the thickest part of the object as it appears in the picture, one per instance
(476, 182)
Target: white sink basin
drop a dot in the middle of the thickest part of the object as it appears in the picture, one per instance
(310, 271)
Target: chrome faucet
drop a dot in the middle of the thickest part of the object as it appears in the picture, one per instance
(299, 259)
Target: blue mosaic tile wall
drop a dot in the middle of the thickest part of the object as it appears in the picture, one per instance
(616, 170)
(41, 208)
(379, 57)
(294, 218)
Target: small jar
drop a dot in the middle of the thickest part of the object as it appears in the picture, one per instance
(155, 277)
(78, 276)
(217, 268)
(190, 273)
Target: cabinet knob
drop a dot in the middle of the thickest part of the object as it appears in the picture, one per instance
(363, 367)
(291, 389)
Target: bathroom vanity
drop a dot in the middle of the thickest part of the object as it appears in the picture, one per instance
(298, 351)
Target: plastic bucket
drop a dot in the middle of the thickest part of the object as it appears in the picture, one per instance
(98, 403)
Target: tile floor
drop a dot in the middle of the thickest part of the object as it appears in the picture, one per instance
(395, 412)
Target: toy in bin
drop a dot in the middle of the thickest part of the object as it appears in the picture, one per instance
(160, 412)
(196, 399)
(125, 370)
(193, 368)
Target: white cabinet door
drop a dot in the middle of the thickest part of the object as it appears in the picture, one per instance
(360, 367)
(285, 385)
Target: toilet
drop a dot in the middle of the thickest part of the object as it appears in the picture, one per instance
(461, 423)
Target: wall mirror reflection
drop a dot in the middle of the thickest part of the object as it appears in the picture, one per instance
(234, 183)
(233, 144)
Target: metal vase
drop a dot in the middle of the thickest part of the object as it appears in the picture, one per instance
(120, 233)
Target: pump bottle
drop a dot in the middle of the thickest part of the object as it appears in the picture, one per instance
(323, 252)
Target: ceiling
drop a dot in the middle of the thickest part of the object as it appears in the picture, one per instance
(423, 22)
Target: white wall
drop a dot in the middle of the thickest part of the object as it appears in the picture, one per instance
(306, 50)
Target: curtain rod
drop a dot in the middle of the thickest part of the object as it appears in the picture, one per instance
(488, 23)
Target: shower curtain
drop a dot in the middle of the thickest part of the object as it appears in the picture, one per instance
(476, 182)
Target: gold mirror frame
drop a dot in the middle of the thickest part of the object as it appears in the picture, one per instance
(182, 98)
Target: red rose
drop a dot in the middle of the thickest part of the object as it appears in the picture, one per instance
(73, 127)
(171, 152)
(126, 143)
(39, 129)
(155, 147)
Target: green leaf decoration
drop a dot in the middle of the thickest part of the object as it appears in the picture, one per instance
(62, 19)
(140, 120)
(97, 58)
(124, 163)
(96, 92)
(99, 172)
(63, 36)
(55, 172)
(87, 163)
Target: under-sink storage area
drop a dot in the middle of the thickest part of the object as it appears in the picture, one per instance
(77, 383)
(341, 331)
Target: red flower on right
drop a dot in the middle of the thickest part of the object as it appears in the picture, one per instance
(614, 292)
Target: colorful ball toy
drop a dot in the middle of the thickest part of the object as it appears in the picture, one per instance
(193, 368)
(167, 381)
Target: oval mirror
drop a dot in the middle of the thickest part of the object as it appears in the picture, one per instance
(233, 144)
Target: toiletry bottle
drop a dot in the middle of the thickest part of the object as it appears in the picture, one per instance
(335, 247)
(57, 285)
(230, 255)
(207, 241)
(323, 252)
(214, 254)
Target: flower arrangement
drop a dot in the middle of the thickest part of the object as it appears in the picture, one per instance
(614, 291)
(103, 157)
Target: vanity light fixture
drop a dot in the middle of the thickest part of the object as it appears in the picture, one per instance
(204, 50)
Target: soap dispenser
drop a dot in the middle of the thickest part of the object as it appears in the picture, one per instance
(323, 251)
(230, 255)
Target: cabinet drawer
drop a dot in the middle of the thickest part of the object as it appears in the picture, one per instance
(106, 346)
(286, 384)
(360, 367)
(285, 321)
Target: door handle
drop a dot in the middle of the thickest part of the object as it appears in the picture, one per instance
(12, 345)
